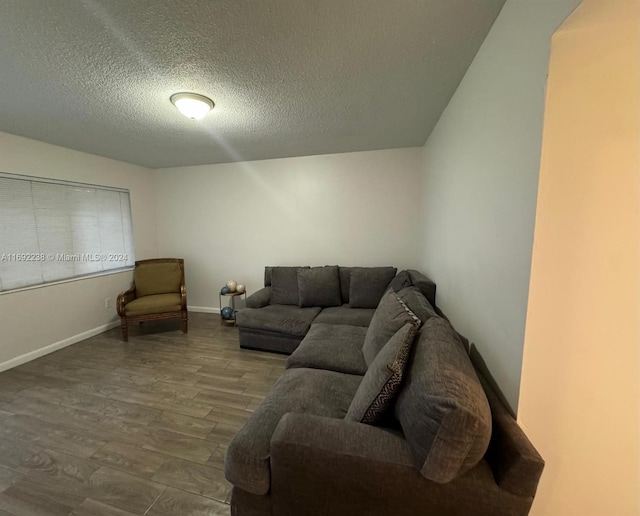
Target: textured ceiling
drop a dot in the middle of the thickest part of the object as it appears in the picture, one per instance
(289, 77)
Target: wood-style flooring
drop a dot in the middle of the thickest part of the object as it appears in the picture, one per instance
(105, 427)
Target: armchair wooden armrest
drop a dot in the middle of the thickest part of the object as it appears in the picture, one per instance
(183, 297)
(125, 297)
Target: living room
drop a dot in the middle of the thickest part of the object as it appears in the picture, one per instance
(463, 204)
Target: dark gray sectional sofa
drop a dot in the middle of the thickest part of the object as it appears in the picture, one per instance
(390, 417)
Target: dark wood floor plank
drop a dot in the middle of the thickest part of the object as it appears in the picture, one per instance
(37, 497)
(228, 415)
(222, 434)
(176, 502)
(194, 478)
(123, 491)
(58, 468)
(8, 477)
(180, 446)
(50, 435)
(131, 411)
(226, 399)
(187, 425)
(92, 508)
(130, 459)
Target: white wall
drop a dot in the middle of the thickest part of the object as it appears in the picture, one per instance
(580, 392)
(53, 315)
(480, 181)
(230, 220)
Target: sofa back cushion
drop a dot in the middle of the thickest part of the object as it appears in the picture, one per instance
(319, 286)
(424, 284)
(284, 285)
(400, 281)
(367, 285)
(391, 315)
(157, 278)
(417, 303)
(345, 277)
(381, 383)
(442, 407)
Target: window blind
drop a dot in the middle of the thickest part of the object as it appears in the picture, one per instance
(54, 230)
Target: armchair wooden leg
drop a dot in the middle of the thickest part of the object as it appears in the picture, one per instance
(125, 329)
(185, 323)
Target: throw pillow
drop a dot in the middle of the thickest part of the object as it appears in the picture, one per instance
(319, 286)
(367, 285)
(391, 315)
(383, 379)
(284, 285)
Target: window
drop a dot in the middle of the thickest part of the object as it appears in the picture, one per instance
(56, 230)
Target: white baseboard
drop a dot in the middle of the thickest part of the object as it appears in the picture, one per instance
(204, 309)
(32, 355)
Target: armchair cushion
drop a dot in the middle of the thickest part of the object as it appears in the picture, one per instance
(157, 278)
(152, 304)
(319, 286)
(382, 381)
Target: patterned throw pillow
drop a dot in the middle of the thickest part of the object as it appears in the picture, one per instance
(383, 379)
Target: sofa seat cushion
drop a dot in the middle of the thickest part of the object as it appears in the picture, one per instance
(442, 407)
(153, 304)
(345, 315)
(306, 391)
(333, 347)
(291, 320)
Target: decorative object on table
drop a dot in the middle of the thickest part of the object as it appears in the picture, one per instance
(227, 312)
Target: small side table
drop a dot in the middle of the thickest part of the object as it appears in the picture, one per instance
(232, 295)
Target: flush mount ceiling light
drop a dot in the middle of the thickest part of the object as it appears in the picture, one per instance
(192, 105)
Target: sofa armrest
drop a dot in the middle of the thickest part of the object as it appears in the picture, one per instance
(123, 298)
(260, 298)
(340, 436)
(333, 466)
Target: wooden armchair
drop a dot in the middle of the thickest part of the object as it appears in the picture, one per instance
(158, 292)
